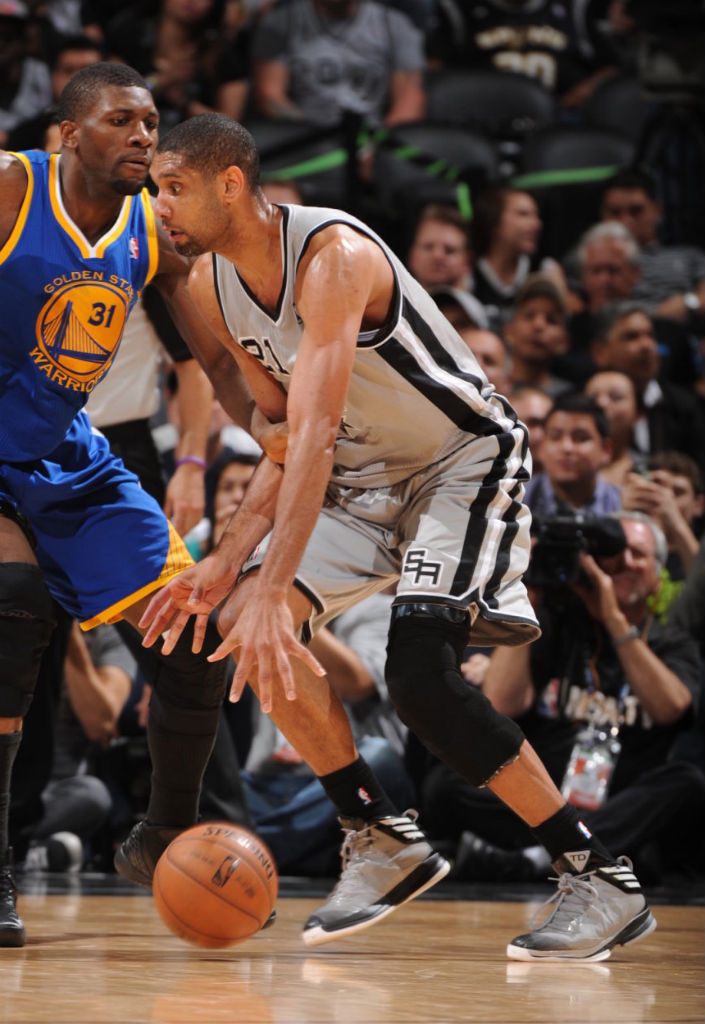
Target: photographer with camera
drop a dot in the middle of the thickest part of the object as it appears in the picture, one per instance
(602, 695)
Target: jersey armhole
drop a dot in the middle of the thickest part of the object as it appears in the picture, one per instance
(366, 339)
(152, 240)
(24, 209)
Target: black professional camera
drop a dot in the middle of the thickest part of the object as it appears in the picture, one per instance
(555, 558)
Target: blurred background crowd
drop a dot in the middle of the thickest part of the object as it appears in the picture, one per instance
(538, 164)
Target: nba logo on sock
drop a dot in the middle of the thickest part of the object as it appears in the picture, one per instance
(585, 830)
(364, 795)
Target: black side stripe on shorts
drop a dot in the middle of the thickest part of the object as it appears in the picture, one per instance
(477, 521)
(439, 394)
(505, 548)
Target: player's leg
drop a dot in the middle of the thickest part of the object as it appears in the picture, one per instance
(185, 705)
(105, 545)
(386, 859)
(468, 547)
(26, 624)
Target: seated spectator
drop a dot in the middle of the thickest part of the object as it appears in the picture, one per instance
(25, 86)
(532, 405)
(536, 333)
(440, 259)
(672, 280)
(226, 482)
(604, 696)
(670, 416)
(505, 237)
(185, 54)
(609, 262)
(615, 393)
(70, 55)
(439, 254)
(670, 490)
(314, 60)
(575, 447)
(491, 353)
(549, 42)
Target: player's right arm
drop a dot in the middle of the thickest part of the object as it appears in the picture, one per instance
(13, 188)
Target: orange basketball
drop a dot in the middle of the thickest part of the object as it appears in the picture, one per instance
(215, 884)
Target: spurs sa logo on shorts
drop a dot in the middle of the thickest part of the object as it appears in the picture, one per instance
(419, 568)
(78, 332)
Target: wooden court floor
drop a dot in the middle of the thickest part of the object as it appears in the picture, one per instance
(94, 958)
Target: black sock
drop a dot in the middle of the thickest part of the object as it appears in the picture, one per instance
(9, 745)
(570, 842)
(180, 743)
(356, 792)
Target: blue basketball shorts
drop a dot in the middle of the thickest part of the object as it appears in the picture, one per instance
(102, 541)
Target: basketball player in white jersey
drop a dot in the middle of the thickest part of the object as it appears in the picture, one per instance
(403, 465)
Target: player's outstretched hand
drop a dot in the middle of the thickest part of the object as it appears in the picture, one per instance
(265, 640)
(196, 591)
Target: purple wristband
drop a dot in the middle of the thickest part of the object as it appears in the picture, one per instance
(191, 458)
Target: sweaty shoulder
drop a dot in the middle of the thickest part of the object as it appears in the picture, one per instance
(342, 246)
(344, 261)
(13, 187)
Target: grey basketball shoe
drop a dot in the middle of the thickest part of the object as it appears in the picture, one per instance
(137, 856)
(385, 863)
(593, 912)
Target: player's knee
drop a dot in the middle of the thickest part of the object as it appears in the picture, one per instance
(27, 619)
(189, 680)
(452, 718)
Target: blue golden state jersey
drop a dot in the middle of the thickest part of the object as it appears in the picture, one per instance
(63, 307)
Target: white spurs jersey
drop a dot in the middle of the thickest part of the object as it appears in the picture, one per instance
(416, 393)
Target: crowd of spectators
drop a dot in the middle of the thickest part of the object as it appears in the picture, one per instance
(599, 347)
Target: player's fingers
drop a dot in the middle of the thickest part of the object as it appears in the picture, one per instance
(199, 633)
(304, 654)
(286, 674)
(239, 679)
(160, 623)
(196, 596)
(178, 624)
(156, 606)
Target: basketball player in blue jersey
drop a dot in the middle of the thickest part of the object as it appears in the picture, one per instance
(78, 243)
(403, 465)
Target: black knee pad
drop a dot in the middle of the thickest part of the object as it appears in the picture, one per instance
(450, 716)
(189, 681)
(27, 619)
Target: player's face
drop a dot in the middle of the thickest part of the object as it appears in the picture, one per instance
(188, 206)
(116, 139)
